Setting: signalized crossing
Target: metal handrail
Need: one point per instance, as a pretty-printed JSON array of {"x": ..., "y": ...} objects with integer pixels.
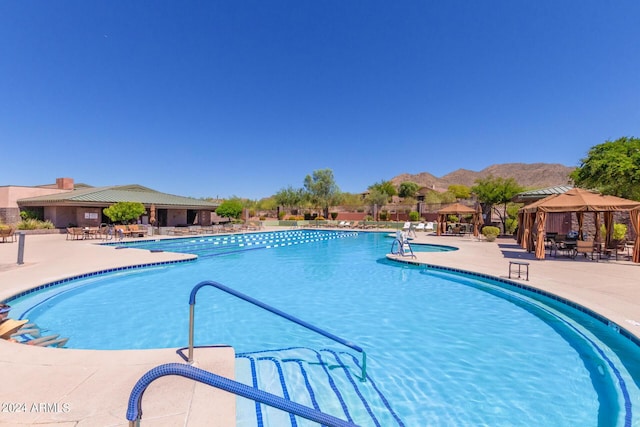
[
  {"x": 134, "y": 408},
  {"x": 192, "y": 303},
  {"x": 401, "y": 241}
]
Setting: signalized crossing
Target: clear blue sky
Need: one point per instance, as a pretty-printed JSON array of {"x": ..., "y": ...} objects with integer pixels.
[{"x": 221, "y": 98}]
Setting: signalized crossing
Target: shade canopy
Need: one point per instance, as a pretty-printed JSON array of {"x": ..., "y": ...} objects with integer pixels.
[
  {"x": 575, "y": 200},
  {"x": 581, "y": 200},
  {"x": 455, "y": 209}
]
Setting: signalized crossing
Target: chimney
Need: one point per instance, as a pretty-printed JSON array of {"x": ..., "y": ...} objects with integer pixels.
[{"x": 64, "y": 183}]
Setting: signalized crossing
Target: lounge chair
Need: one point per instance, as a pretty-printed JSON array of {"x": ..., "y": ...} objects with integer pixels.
[
  {"x": 342, "y": 224},
  {"x": 48, "y": 341},
  {"x": 10, "y": 327},
  {"x": 420, "y": 227},
  {"x": 406, "y": 226},
  {"x": 430, "y": 226},
  {"x": 179, "y": 231},
  {"x": 137, "y": 230},
  {"x": 122, "y": 231}
]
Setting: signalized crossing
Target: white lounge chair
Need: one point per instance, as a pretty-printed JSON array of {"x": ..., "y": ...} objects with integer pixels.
[
  {"x": 429, "y": 227},
  {"x": 406, "y": 226},
  {"x": 420, "y": 227}
]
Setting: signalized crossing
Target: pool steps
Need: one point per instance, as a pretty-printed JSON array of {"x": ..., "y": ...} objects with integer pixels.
[
  {"x": 325, "y": 380},
  {"x": 301, "y": 373}
]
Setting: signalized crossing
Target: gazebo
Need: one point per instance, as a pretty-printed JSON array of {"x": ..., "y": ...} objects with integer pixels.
[
  {"x": 456, "y": 209},
  {"x": 577, "y": 200}
]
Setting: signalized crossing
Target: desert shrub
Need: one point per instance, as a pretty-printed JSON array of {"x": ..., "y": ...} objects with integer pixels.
[
  {"x": 334, "y": 215},
  {"x": 619, "y": 231},
  {"x": 319, "y": 218},
  {"x": 414, "y": 216},
  {"x": 28, "y": 214},
  {"x": 34, "y": 224},
  {"x": 511, "y": 224},
  {"x": 384, "y": 215},
  {"x": 281, "y": 215},
  {"x": 368, "y": 218},
  {"x": 490, "y": 232},
  {"x": 452, "y": 218}
]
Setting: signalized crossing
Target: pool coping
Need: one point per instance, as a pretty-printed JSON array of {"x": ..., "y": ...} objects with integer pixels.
[{"x": 620, "y": 329}]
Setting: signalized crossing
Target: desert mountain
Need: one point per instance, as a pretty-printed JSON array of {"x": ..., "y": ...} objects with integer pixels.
[{"x": 533, "y": 175}]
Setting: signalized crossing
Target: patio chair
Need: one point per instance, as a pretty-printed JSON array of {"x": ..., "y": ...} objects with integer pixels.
[
  {"x": 420, "y": 227},
  {"x": 75, "y": 233},
  {"x": 586, "y": 248},
  {"x": 618, "y": 248},
  {"x": 8, "y": 234}
]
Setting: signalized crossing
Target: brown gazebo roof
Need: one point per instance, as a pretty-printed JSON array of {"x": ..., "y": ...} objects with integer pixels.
[
  {"x": 581, "y": 200},
  {"x": 576, "y": 200},
  {"x": 455, "y": 209}
]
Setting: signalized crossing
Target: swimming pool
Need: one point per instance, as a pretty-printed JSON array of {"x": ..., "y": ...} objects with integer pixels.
[{"x": 446, "y": 349}]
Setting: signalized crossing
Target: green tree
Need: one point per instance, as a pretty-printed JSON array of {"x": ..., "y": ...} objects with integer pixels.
[
  {"x": 492, "y": 191},
  {"x": 408, "y": 189},
  {"x": 352, "y": 201},
  {"x": 612, "y": 167},
  {"x": 267, "y": 204},
  {"x": 377, "y": 197},
  {"x": 231, "y": 208},
  {"x": 290, "y": 197},
  {"x": 385, "y": 187},
  {"x": 124, "y": 211},
  {"x": 460, "y": 191},
  {"x": 322, "y": 189},
  {"x": 447, "y": 197}
]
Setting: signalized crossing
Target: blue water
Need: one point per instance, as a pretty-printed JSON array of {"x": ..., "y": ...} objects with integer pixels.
[{"x": 447, "y": 349}]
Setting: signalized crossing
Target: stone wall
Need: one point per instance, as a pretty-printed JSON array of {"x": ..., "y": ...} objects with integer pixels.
[{"x": 9, "y": 215}]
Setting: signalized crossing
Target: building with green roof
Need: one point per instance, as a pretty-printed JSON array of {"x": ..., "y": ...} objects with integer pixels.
[{"x": 81, "y": 205}]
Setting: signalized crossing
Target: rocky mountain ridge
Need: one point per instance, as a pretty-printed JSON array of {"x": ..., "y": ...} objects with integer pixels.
[{"x": 528, "y": 175}]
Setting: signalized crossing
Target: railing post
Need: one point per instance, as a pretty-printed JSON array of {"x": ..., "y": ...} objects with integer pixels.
[
  {"x": 192, "y": 308},
  {"x": 21, "y": 237}
]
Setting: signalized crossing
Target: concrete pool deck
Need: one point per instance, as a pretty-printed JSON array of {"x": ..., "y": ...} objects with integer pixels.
[{"x": 65, "y": 387}]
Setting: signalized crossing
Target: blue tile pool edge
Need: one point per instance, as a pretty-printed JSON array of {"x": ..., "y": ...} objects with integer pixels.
[
  {"x": 608, "y": 322},
  {"x": 92, "y": 274}
]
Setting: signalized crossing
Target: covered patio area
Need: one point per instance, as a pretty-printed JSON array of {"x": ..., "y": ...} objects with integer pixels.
[{"x": 531, "y": 234}]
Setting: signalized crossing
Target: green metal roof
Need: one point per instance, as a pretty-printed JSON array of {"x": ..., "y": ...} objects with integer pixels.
[
  {"x": 533, "y": 195},
  {"x": 115, "y": 194}
]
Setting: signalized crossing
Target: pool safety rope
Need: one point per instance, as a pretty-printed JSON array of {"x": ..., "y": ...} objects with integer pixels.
[
  {"x": 134, "y": 408},
  {"x": 233, "y": 243}
]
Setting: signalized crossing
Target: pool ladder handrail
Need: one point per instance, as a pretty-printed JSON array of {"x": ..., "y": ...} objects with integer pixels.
[
  {"x": 401, "y": 240},
  {"x": 134, "y": 408},
  {"x": 192, "y": 304}
]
